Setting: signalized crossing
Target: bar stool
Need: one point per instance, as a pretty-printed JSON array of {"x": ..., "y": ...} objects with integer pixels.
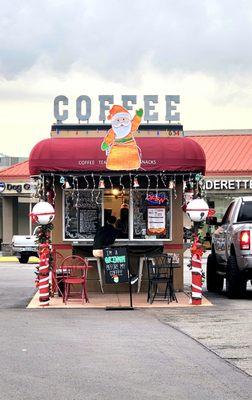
[
  {"x": 140, "y": 270},
  {"x": 98, "y": 264}
]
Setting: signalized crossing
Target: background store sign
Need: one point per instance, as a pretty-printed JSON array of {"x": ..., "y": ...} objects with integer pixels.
[
  {"x": 83, "y": 107},
  {"x": 228, "y": 184},
  {"x": 2, "y": 187},
  {"x": 116, "y": 265},
  {"x": 15, "y": 187}
]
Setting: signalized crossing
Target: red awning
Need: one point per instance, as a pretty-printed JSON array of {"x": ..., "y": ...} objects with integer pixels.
[{"x": 85, "y": 154}]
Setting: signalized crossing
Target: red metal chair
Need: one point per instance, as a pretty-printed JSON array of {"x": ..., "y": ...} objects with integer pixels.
[
  {"x": 57, "y": 259},
  {"x": 74, "y": 272}
]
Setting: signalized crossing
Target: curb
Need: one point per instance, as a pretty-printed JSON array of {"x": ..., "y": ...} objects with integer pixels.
[{"x": 4, "y": 259}]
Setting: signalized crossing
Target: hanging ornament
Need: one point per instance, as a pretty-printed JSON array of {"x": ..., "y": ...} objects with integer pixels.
[
  {"x": 198, "y": 177},
  {"x": 67, "y": 185},
  {"x": 171, "y": 185},
  {"x": 43, "y": 213},
  {"x": 135, "y": 184},
  {"x": 62, "y": 180},
  {"x": 197, "y": 210},
  {"x": 101, "y": 184}
]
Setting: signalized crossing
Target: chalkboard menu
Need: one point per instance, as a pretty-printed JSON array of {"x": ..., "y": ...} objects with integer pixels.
[
  {"x": 88, "y": 221},
  {"x": 116, "y": 265},
  {"x": 83, "y": 213}
]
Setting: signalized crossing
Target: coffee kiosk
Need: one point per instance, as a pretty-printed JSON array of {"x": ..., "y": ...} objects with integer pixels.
[{"x": 89, "y": 171}]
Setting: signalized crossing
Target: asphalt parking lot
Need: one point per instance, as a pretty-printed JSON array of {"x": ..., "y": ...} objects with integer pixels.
[{"x": 225, "y": 328}]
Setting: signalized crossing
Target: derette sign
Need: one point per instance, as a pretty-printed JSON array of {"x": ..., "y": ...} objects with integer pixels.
[
  {"x": 83, "y": 107},
  {"x": 228, "y": 184}
]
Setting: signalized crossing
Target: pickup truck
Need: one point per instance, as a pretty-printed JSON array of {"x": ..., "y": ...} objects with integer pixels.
[
  {"x": 231, "y": 251},
  {"x": 24, "y": 246}
]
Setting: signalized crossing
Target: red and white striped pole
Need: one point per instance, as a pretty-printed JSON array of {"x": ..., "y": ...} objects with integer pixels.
[
  {"x": 197, "y": 210},
  {"x": 197, "y": 271},
  {"x": 43, "y": 213},
  {"x": 196, "y": 280},
  {"x": 43, "y": 274}
]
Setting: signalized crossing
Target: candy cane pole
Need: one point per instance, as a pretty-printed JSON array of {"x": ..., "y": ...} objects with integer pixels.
[
  {"x": 196, "y": 268},
  {"x": 43, "y": 275},
  {"x": 43, "y": 213}
]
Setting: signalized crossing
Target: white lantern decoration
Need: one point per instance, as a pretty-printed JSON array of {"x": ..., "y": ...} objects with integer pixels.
[
  {"x": 43, "y": 213},
  {"x": 197, "y": 210}
]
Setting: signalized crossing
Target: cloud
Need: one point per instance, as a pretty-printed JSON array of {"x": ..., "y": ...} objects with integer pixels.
[{"x": 115, "y": 37}]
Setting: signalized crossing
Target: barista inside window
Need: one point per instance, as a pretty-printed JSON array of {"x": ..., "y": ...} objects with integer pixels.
[{"x": 105, "y": 236}]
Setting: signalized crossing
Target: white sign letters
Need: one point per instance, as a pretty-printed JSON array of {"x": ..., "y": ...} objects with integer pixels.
[{"x": 83, "y": 107}]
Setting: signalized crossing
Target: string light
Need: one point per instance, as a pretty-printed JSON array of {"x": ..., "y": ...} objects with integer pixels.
[
  {"x": 76, "y": 187},
  {"x": 156, "y": 184},
  {"x": 162, "y": 179},
  {"x": 87, "y": 183},
  {"x": 174, "y": 189},
  {"x": 93, "y": 189},
  {"x": 53, "y": 189},
  {"x": 148, "y": 185},
  {"x": 111, "y": 184},
  {"x": 120, "y": 182}
]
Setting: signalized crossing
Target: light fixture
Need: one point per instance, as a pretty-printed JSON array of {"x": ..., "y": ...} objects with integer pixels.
[{"x": 115, "y": 192}]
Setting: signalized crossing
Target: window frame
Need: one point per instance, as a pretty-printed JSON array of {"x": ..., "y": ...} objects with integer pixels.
[{"x": 131, "y": 217}]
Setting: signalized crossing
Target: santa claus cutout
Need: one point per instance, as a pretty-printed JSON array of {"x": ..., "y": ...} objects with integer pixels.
[{"x": 119, "y": 143}]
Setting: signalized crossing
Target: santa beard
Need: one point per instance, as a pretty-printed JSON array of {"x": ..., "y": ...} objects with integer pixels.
[{"x": 121, "y": 131}]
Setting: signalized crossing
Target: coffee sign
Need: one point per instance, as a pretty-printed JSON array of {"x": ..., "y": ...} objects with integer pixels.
[{"x": 83, "y": 107}]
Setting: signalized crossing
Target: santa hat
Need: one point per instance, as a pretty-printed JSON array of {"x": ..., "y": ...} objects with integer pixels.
[{"x": 118, "y": 112}]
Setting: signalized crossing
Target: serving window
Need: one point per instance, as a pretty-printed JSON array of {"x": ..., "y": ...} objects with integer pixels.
[
  {"x": 141, "y": 214},
  {"x": 151, "y": 214}
]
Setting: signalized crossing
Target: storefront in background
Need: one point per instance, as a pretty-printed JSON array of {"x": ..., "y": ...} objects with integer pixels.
[
  {"x": 228, "y": 165},
  {"x": 87, "y": 176},
  {"x": 221, "y": 191},
  {"x": 16, "y": 201}
]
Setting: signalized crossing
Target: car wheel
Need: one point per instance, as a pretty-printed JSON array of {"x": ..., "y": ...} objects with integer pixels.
[
  {"x": 214, "y": 280},
  {"x": 235, "y": 282},
  {"x": 23, "y": 259}
]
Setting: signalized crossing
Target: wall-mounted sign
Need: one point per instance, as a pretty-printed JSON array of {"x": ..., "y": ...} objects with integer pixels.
[
  {"x": 11, "y": 188},
  {"x": 228, "y": 184},
  {"x": 83, "y": 107},
  {"x": 156, "y": 221}
]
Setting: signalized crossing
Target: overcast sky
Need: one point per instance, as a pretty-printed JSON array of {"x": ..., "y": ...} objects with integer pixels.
[{"x": 198, "y": 49}]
